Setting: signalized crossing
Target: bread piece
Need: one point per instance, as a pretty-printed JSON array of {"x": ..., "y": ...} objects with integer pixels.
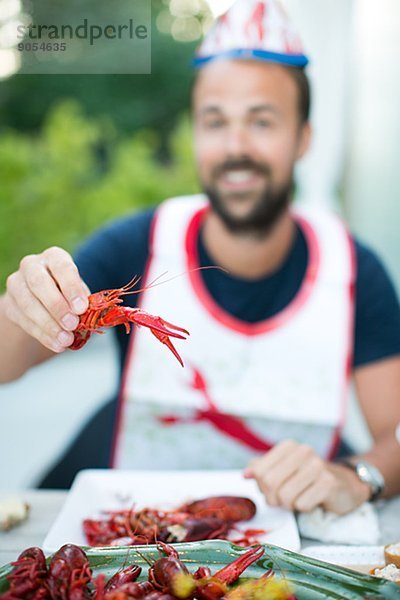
[
  {"x": 392, "y": 554},
  {"x": 390, "y": 572},
  {"x": 12, "y": 512}
]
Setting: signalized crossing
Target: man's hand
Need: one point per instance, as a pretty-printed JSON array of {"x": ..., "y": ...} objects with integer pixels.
[
  {"x": 294, "y": 476},
  {"x": 45, "y": 296}
]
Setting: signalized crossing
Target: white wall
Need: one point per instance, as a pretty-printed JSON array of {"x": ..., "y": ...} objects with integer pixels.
[
  {"x": 325, "y": 27},
  {"x": 373, "y": 172},
  {"x": 354, "y": 164}
]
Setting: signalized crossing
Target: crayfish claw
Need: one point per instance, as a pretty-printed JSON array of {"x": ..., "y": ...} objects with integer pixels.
[
  {"x": 141, "y": 317},
  {"x": 232, "y": 571},
  {"x": 164, "y": 339}
]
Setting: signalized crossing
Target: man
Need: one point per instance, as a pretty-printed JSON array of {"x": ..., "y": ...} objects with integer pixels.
[{"x": 275, "y": 333}]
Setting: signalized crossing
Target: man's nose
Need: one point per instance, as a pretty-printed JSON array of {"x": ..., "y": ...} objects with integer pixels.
[{"x": 236, "y": 142}]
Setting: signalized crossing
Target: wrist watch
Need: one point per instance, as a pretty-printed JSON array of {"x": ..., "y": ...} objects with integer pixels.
[{"x": 368, "y": 474}]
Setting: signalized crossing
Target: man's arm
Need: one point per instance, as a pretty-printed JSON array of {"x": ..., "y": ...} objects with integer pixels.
[
  {"x": 39, "y": 311},
  {"x": 378, "y": 390}
]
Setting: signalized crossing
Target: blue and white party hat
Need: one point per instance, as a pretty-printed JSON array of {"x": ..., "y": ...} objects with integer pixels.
[{"x": 253, "y": 29}]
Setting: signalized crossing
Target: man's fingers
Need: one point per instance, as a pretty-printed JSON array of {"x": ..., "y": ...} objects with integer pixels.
[
  {"x": 315, "y": 494},
  {"x": 65, "y": 273},
  {"x": 24, "y": 309},
  {"x": 276, "y": 467},
  {"x": 38, "y": 288},
  {"x": 33, "y": 329},
  {"x": 273, "y": 457},
  {"x": 54, "y": 280},
  {"x": 287, "y": 467},
  {"x": 304, "y": 477}
]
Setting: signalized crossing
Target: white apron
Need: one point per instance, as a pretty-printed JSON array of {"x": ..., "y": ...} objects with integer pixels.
[{"x": 245, "y": 386}]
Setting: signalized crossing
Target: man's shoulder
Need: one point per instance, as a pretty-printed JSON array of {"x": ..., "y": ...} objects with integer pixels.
[
  {"x": 377, "y": 310},
  {"x": 369, "y": 264}
]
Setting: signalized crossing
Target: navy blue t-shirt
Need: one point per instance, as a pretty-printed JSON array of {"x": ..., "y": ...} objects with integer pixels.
[{"x": 113, "y": 255}]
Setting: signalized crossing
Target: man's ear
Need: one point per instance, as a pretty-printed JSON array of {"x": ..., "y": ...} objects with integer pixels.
[{"x": 304, "y": 140}]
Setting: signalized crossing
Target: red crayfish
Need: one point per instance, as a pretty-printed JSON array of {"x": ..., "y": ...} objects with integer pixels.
[
  {"x": 171, "y": 576},
  {"x": 228, "y": 508},
  {"x": 66, "y": 578},
  {"x": 105, "y": 310},
  {"x": 69, "y": 577},
  {"x": 209, "y": 518},
  {"x": 29, "y": 576}
]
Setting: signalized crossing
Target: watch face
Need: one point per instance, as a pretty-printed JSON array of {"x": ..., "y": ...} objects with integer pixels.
[{"x": 371, "y": 475}]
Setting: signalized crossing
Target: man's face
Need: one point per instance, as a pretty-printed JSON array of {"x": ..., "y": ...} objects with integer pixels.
[{"x": 248, "y": 137}]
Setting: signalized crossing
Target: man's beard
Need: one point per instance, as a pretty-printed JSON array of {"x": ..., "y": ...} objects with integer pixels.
[{"x": 268, "y": 209}]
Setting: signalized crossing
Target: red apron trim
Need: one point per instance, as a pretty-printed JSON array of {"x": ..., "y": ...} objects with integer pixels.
[
  {"x": 348, "y": 364},
  {"x": 224, "y": 317}
]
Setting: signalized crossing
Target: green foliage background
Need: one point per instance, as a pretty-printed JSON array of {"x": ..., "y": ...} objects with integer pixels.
[
  {"x": 78, "y": 150},
  {"x": 55, "y": 187}
]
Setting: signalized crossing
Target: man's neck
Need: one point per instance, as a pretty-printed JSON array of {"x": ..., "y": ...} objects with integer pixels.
[{"x": 248, "y": 256}]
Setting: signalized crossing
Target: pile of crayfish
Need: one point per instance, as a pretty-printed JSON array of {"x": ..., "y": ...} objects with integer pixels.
[
  {"x": 69, "y": 577},
  {"x": 204, "y": 519}
]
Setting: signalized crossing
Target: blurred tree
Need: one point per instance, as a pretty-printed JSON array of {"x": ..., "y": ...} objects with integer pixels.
[
  {"x": 77, "y": 150},
  {"x": 131, "y": 101},
  {"x": 54, "y": 192}
]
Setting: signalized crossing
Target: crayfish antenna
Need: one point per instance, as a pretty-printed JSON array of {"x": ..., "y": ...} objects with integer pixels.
[
  {"x": 126, "y": 289},
  {"x": 143, "y": 557}
]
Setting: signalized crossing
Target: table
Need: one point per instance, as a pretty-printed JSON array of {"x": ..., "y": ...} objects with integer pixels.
[
  {"x": 44, "y": 508},
  {"x": 45, "y": 505}
]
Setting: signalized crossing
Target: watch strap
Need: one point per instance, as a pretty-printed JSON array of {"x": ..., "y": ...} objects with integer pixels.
[{"x": 362, "y": 470}]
